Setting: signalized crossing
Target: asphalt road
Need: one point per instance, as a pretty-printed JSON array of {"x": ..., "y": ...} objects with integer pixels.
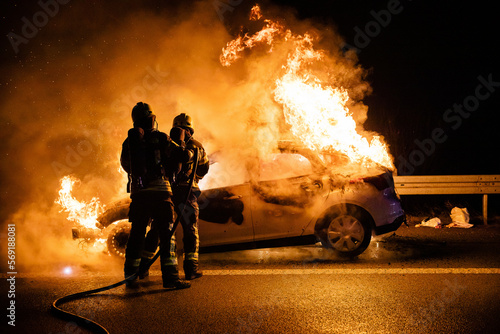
[{"x": 419, "y": 280}]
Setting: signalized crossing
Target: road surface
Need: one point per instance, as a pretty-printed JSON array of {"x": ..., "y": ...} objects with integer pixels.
[{"x": 418, "y": 280}]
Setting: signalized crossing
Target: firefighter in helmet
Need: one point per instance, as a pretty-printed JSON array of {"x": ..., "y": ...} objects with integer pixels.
[
  {"x": 147, "y": 155},
  {"x": 185, "y": 197}
]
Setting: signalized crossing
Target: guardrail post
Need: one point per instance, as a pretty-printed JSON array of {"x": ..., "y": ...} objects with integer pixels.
[
  {"x": 450, "y": 184},
  {"x": 485, "y": 209}
]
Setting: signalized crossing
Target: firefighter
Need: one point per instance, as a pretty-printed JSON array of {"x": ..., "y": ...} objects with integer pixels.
[
  {"x": 185, "y": 197},
  {"x": 190, "y": 215},
  {"x": 147, "y": 154}
]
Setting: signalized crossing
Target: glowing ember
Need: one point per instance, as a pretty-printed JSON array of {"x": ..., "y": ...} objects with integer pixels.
[
  {"x": 316, "y": 112},
  {"x": 67, "y": 271},
  {"x": 82, "y": 213}
]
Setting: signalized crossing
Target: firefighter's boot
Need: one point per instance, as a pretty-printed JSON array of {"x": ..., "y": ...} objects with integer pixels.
[
  {"x": 170, "y": 276},
  {"x": 130, "y": 270},
  {"x": 143, "y": 268},
  {"x": 191, "y": 269}
]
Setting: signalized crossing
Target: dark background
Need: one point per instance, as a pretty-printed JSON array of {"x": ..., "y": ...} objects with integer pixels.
[{"x": 427, "y": 59}]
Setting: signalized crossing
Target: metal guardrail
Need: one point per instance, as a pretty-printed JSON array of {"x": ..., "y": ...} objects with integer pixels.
[{"x": 450, "y": 185}]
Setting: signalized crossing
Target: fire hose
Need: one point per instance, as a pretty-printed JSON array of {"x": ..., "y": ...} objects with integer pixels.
[{"x": 92, "y": 325}]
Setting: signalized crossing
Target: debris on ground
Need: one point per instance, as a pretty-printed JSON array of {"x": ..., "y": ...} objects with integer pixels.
[
  {"x": 460, "y": 218},
  {"x": 432, "y": 222}
]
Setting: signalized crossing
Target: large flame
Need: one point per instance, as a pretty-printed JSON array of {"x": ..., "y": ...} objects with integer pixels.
[
  {"x": 316, "y": 112},
  {"x": 82, "y": 213},
  {"x": 235, "y": 47}
]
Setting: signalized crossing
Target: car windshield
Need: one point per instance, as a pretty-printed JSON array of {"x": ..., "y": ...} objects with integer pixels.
[{"x": 284, "y": 165}]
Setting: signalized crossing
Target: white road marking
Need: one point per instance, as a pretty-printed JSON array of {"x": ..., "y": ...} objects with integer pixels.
[
  {"x": 360, "y": 271},
  {"x": 296, "y": 271}
]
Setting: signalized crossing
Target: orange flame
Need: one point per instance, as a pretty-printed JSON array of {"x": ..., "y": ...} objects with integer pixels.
[
  {"x": 234, "y": 48},
  {"x": 82, "y": 213},
  {"x": 317, "y": 113},
  {"x": 255, "y": 13}
]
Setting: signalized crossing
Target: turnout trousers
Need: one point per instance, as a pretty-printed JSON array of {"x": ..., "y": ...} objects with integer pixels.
[
  {"x": 189, "y": 221},
  {"x": 155, "y": 206}
]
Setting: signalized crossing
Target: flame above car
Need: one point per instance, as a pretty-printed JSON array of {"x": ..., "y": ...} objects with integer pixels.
[{"x": 317, "y": 113}]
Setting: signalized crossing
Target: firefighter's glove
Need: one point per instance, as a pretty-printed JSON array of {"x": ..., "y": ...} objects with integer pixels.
[
  {"x": 178, "y": 135},
  {"x": 182, "y": 155},
  {"x": 202, "y": 170},
  {"x": 186, "y": 156}
]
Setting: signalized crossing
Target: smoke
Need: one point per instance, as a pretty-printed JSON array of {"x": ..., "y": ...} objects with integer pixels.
[{"x": 68, "y": 107}]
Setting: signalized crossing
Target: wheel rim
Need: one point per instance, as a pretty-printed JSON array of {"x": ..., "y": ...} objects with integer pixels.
[
  {"x": 117, "y": 240},
  {"x": 346, "y": 233}
]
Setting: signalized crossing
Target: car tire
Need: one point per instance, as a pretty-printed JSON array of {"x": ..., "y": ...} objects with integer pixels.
[
  {"x": 117, "y": 239},
  {"x": 345, "y": 229}
]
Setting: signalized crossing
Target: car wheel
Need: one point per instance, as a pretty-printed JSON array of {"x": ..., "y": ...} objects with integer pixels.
[
  {"x": 346, "y": 230},
  {"x": 117, "y": 238}
]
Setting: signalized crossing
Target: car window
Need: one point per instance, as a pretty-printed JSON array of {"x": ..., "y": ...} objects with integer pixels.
[
  {"x": 284, "y": 165},
  {"x": 224, "y": 174}
]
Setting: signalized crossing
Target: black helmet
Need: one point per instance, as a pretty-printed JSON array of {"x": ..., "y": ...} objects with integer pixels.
[
  {"x": 183, "y": 121},
  {"x": 143, "y": 116}
]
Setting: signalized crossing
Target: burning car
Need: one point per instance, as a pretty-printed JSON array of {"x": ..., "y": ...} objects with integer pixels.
[
  {"x": 309, "y": 205},
  {"x": 335, "y": 187}
]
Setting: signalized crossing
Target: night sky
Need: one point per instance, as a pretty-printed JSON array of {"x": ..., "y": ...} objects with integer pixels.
[{"x": 432, "y": 66}]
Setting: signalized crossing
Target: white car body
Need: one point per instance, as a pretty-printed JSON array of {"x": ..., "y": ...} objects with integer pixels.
[{"x": 295, "y": 210}]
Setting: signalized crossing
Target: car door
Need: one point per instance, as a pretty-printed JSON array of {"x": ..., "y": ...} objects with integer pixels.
[
  {"x": 225, "y": 216},
  {"x": 282, "y": 196}
]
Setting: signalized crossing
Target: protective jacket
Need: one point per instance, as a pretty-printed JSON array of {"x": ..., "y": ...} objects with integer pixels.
[
  {"x": 181, "y": 175},
  {"x": 187, "y": 168},
  {"x": 147, "y": 157}
]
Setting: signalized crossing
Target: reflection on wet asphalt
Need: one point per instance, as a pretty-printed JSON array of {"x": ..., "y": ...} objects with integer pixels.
[{"x": 405, "y": 247}]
